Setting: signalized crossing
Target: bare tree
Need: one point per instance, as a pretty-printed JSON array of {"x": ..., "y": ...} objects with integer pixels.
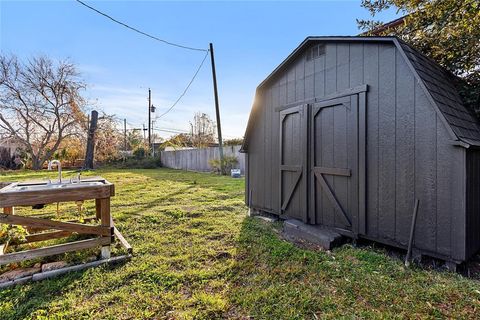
[
  {"x": 40, "y": 104},
  {"x": 202, "y": 130}
]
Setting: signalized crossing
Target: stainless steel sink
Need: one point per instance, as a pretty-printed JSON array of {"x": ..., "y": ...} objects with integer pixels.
[{"x": 22, "y": 187}]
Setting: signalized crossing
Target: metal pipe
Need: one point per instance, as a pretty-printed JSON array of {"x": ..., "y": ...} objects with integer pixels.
[
  {"x": 59, "y": 167},
  {"x": 412, "y": 232}
]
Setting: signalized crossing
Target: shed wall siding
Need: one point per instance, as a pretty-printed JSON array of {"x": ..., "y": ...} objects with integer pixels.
[
  {"x": 409, "y": 152},
  {"x": 473, "y": 201}
]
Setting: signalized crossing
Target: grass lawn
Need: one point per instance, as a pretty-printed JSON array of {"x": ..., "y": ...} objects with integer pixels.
[{"x": 198, "y": 256}]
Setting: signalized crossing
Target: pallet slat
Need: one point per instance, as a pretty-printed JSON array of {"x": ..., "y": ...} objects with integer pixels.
[
  {"x": 122, "y": 240},
  {"x": 49, "y": 224},
  {"x": 53, "y": 250}
]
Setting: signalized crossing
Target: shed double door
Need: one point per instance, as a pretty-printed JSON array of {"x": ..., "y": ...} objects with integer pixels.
[{"x": 330, "y": 144}]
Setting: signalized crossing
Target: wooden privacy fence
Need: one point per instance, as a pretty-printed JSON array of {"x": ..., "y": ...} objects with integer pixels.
[{"x": 198, "y": 159}]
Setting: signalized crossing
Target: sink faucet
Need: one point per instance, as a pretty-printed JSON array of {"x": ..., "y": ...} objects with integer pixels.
[{"x": 59, "y": 167}]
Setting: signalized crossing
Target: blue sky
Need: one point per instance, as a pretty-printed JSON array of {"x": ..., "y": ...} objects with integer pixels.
[{"x": 250, "y": 39}]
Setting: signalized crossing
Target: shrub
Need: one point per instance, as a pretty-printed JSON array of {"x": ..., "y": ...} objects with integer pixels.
[
  {"x": 228, "y": 163},
  {"x": 139, "y": 153}
]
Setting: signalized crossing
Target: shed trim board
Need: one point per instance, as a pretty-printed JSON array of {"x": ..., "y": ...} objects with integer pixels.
[
  {"x": 347, "y": 92},
  {"x": 349, "y": 138}
]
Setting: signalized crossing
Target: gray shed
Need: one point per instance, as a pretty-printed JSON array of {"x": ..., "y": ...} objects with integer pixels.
[{"x": 349, "y": 131}]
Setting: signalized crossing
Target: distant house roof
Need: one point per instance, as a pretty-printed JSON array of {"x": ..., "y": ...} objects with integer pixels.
[{"x": 437, "y": 82}]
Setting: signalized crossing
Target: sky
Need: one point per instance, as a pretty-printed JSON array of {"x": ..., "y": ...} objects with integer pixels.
[{"x": 250, "y": 39}]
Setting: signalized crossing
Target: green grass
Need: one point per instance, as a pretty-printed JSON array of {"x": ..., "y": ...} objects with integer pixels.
[{"x": 198, "y": 256}]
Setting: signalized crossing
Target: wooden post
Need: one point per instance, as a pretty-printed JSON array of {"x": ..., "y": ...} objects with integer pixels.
[
  {"x": 9, "y": 210},
  {"x": 106, "y": 222},
  {"x": 89, "y": 156},
  {"x": 98, "y": 209}
]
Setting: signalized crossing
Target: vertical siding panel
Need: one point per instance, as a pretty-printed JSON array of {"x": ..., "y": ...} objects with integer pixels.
[
  {"x": 457, "y": 232},
  {"x": 326, "y": 136},
  {"x": 356, "y": 64},
  {"x": 473, "y": 202},
  {"x": 343, "y": 66},
  {"x": 261, "y": 124},
  {"x": 328, "y": 126},
  {"x": 296, "y": 135},
  {"x": 319, "y": 78},
  {"x": 254, "y": 153},
  {"x": 309, "y": 79},
  {"x": 300, "y": 79},
  {"x": 317, "y": 162},
  {"x": 449, "y": 163},
  {"x": 291, "y": 85},
  {"x": 282, "y": 97},
  {"x": 330, "y": 68},
  {"x": 268, "y": 148},
  {"x": 370, "y": 60},
  {"x": 386, "y": 190},
  {"x": 340, "y": 132},
  {"x": 425, "y": 171},
  {"x": 275, "y": 148},
  {"x": 340, "y": 161},
  {"x": 355, "y": 79},
  {"x": 405, "y": 150}
]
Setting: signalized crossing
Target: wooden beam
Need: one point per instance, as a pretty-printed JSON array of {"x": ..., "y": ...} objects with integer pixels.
[
  {"x": 122, "y": 240},
  {"x": 52, "y": 250},
  {"x": 333, "y": 171},
  {"x": 37, "y": 229},
  {"x": 291, "y": 168},
  {"x": 47, "y": 236},
  {"x": 30, "y": 198},
  {"x": 50, "y": 224},
  {"x": 290, "y": 193},
  {"x": 331, "y": 196}
]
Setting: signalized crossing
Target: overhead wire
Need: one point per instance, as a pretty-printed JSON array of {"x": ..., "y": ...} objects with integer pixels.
[
  {"x": 139, "y": 31},
  {"x": 163, "y": 41},
  {"x": 186, "y": 89}
]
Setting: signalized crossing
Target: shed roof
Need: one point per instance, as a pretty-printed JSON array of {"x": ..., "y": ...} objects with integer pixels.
[{"x": 436, "y": 81}]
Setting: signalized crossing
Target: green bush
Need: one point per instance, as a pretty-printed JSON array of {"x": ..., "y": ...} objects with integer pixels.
[
  {"x": 139, "y": 153},
  {"x": 229, "y": 163}
]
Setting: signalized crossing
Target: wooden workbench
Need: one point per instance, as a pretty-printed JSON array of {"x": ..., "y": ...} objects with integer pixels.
[{"x": 103, "y": 233}]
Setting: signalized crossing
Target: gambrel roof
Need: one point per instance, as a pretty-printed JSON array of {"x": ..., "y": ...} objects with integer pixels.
[{"x": 438, "y": 84}]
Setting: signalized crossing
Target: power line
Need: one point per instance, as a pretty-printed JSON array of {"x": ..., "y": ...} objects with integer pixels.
[
  {"x": 186, "y": 89},
  {"x": 139, "y": 31}
]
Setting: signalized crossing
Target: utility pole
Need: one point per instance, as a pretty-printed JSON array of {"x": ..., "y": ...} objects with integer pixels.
[
  {"x": 153, "y": 142},
  {"x": 149, "y": 120},
  {"x": 144, "y": 130},
  {"x": 217, "y": 108}
]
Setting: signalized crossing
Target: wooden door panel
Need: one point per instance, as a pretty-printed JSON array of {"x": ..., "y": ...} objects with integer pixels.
[
  {"x": 334, "y": 163},
  {"x": 293, "y": 179}
]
